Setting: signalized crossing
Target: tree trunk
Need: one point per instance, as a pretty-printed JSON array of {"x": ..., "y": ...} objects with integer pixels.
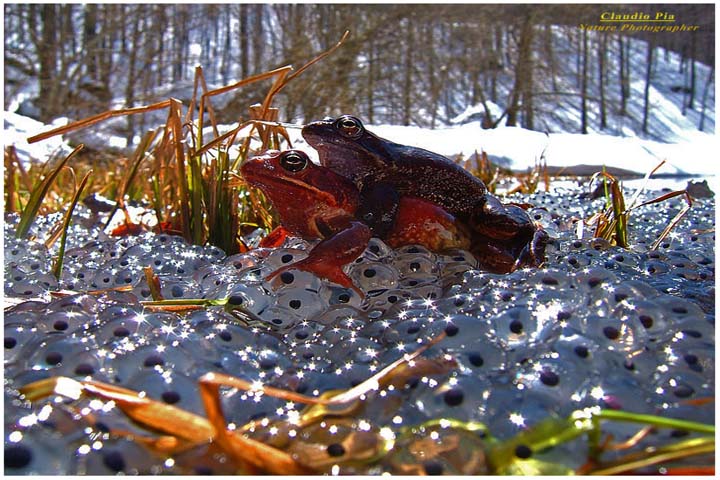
[
  {"x": 124, "y": 9},
  {"x": 408, "y": 76},
  {"x": 579, "y": 59},
  {"x": 371, "y": 81},
  {"x": 551, "y": 57},
  {"x": 523, "y": 62},
  {"x": 648, "y": 78},
  {"x": 706, "y": 90},
  {"x": 624, "y": 80},
  {"x": 691, "y": 100},
  {"x": 176, "y": 48},
  {"x": 244, "y": 40},
  {"x": 132, "y": 60},
  {"x": 90, "y": 46},
  {"x": 527, "y": 87},
  {"x": 165, "y": 56},
  {"x": 47, "y": 51},
  {"x": 257, "y": 36},
  {"x": 601, "y": 80},
  {"x": 225, "y": 65},
  {"x": 32, "y": 21},
  {"x": 70, "y": 27},
  {"x": 498, "y": 59},
  {"x": 628, "y": 72},
  {"x": 432, "y": 78},
  {"x": 105, "y": 56},
  {"x": 583, "y": 84},
  {"x": 180, "y": 41}
]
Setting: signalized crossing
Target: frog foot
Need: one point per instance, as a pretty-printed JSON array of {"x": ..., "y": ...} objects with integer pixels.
[
  {"x": 320, "y": 268},
  {"x": 328, "y": 257}
]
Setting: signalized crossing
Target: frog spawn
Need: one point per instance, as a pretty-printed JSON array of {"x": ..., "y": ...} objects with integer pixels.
[{"x": 599, "y": 325}]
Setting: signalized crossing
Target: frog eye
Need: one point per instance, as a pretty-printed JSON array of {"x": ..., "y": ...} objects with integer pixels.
[
  {"x": 293, "y": 161},
  {"x": 350, "y": 126}
]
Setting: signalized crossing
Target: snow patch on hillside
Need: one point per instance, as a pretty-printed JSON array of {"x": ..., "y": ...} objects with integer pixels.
[{"x": 16, "y": 130}]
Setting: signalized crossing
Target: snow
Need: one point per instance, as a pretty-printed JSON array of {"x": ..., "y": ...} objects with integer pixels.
[
  {"x": 558, "y": 112},
  {"x": 478, "y": 111},
  {"x": 513, "y": 147},
  {"x": 519, "y": 148},
  {"x": 16, "y": 130}
]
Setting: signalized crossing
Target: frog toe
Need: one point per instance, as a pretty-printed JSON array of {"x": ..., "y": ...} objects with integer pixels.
[{"x": 326, "y": 270}]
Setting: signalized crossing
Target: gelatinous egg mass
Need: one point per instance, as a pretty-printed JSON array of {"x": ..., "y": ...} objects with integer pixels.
[{"x": 597, "y": 325}]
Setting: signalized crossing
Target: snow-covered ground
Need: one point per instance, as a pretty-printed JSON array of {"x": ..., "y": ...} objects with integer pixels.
[
  {"x": 16, "y": 130},
  {"x": 513, "y": 147},
  {"x": 519, "y": 148}
]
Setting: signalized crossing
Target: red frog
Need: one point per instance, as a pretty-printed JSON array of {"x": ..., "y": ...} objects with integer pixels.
[
  {"x": 504, "y": 238},
  {"x": 314, "y": 202}
]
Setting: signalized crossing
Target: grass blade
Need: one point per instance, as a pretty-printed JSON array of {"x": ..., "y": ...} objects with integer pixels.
[
  {"x": 685, "y": 449},
  {"x": 618, "y": 206},
  {"x": 38, "y": 195},
  {"x": 57, "y": 268},
  {"x": 86, "y": 122},
  {"x": 174, "y": 124},
  {"x": 655, "y": 420},
  {"x": 153, "y": 284},
  {"x": 138, "y": 157}
]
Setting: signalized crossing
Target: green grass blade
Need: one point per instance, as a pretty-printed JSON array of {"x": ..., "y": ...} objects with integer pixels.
[
  {"x": 197, "y": 193},
  {"x": 138, "y": 156},
  {"x": 38, "y": 195},
  {"x": 681, "y": 450},
  {"x": 200, "y": 302},
  {"x": 541, "y": 436},
  {"x": 57, "y": 267},
  {"x": 156, "y": 199},
  {"x": 620, "y": 416},
  {"x": 618, "y": 206}
]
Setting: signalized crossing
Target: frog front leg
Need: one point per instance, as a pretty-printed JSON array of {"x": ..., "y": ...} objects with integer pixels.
[
  {"x": 329, "y": 256},
  {"x": 379, "y": 203}
]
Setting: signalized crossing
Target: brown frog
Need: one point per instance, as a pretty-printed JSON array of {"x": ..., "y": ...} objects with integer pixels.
[
  {"x": 315, "y": 203},
  {"x": 504, "y": 238}
]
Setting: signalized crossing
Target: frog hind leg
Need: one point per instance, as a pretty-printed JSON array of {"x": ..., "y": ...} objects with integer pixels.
[
  {"x": 491, "y": 257},
  {"x": 510, "y": 233},
  {"x": 501, "y": 221},
  {"x": 379, "y": 204},
  {"x": 331, "y": 254}
]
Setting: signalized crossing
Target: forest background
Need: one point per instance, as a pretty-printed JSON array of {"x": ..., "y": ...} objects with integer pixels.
[{"x": 402, "y": 64}]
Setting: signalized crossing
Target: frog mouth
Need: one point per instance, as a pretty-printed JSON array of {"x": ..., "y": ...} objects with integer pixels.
[
  {"x": 270, "y": 181},
  {"x": 333, "y": 154}
]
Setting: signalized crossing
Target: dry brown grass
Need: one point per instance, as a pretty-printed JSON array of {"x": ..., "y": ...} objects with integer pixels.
[{"x": 190, "y": 182}]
